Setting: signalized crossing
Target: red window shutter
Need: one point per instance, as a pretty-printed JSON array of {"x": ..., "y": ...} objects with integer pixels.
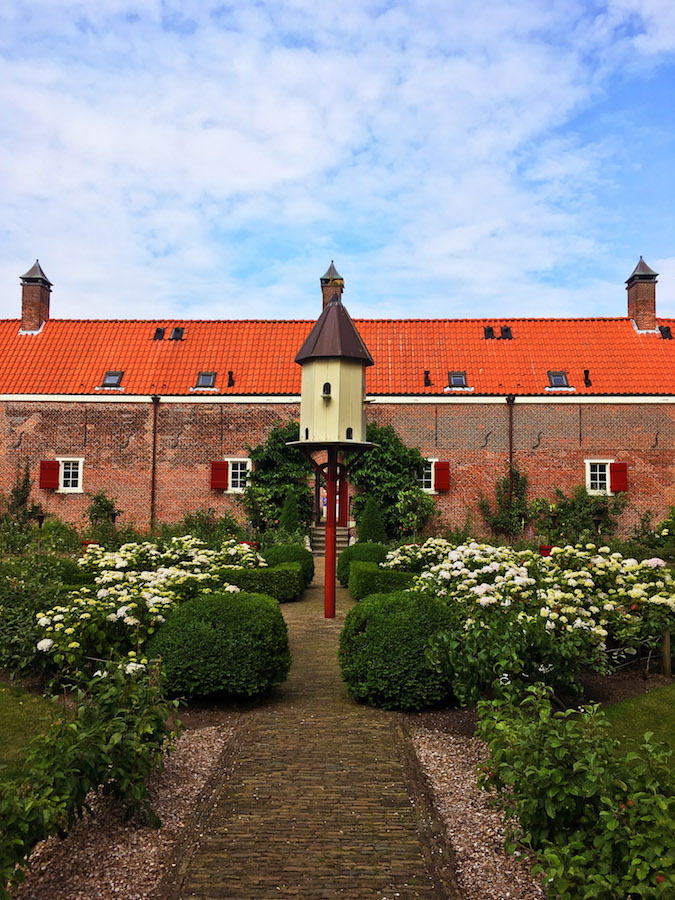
[
  {"x": 442, "y": 476},
  {"x": 219, "y": 475},
  {"x": 49, "y": 474},
  {"x": 618, "y": 477}
]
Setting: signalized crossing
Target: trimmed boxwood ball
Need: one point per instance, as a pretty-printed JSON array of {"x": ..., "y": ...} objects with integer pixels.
[
  {"x": 382, "y": 651},
  {"x": 236, "y": 643}
]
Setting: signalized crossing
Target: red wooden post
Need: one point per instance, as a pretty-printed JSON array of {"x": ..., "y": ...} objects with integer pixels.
[
  {"x": 329, "y": 590},
  {"x": 343, "y": 505}
]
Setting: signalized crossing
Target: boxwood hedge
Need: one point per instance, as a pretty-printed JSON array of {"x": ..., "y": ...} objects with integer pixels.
[
  {"x": 282, "y": 553},
  {"x": 230, "y": 642},
  {"x": 367, "y": 578},
  {"x": 362, "y": 551},
  {"x": 382, "y": 651},
  {"x": 283, "y": 582}
]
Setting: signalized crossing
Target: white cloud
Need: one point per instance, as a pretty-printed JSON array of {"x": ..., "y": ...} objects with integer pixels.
[{"x": 169, "y": 157}]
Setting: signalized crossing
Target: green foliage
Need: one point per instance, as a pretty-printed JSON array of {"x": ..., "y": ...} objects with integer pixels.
[
  {"x": 101, "y": 508},
  {"x": 27, "y": 585},
  {"x": 415, "y": 508},
  {"x": 236, "y": 643},
  {"x": 115, "y": 741},
  {"x": 206, "y": 524},
  {"x": 579, "y": 517},
  {"x": 370, "y": 523},
  {"x": 602, "y": 822},
  {"x": 511, "y": 511},
  {"x": 367, "y": 552},
  {"x": 20, "y": 509},
  {"x": 382, "y": 647},
  {"x": 384, "y": 472},
  {"x": 289, "y": 520},
  {"x": 366, "y": 578},
  {"x": 283, "y": 582},
  {"x": 58, "y": 537},
  {"x": 278, "y": 470},
  {"x": 280, "y": 553}
]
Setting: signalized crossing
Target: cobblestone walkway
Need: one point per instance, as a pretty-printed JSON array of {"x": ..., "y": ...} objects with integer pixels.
[{"x": 323, "y": 798}]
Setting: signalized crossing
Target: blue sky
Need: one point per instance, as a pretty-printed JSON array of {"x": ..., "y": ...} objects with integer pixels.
[{"x": 209, "y": 160}]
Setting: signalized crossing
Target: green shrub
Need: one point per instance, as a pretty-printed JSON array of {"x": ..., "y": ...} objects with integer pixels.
[
  {"x": 367, "y": 578},
  {"x": 602, "y": 822},
  {"x": 283, "y": 582},
  {"x": 115, "y": 741},
  {"x": 289, "y": 520},
  {"x": 366, "y": 552},
  {"x": 371, "y": 524},
  {"x": 236, "y": 643},
  {"x": 382, "y": 646},
  {"x": 292, "y": 553},
  {"x": 206, "y": 524}
]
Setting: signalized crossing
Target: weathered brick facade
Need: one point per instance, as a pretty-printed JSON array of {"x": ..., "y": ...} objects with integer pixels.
[{"x": 550, "y": 443}]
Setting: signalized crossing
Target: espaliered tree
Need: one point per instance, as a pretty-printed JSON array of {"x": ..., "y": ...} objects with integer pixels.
[
  {"x": 278, "y": 471},
  {"x": 384, "y": 472}
]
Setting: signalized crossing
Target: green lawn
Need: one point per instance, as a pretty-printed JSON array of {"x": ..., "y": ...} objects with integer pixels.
[
  {"x": 22, "y": 716},
  {"x": 654, "y": 711}
]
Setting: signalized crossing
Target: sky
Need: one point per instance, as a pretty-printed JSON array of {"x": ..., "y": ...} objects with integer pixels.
[{"x": 178, "y": 159}]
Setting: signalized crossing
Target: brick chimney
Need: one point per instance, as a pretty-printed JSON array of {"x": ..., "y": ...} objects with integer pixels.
[
  {"x": 36, "y": 288},
  {"x": 641, "y": 287},
  {"x": 331, "y": 284}
]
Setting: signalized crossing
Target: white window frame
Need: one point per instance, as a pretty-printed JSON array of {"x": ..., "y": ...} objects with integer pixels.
[
  {"x": 236, "y": 459},
  {"x": 62, "y": 489},
  {"x": 594, "y": 491},
  {"x": 430, "y": 490}
]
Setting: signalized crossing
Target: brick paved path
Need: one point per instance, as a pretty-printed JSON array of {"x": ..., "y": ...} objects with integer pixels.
[{"x": 318, "y": 800}]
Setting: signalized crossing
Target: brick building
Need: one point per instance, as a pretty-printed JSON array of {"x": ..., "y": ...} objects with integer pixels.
[{"x": 143, "y": 409}]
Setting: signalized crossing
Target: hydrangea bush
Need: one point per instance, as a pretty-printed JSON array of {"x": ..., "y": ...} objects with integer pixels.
[
  {"x": 517, "y": 614},
  {"x": 135, "y": 587}
]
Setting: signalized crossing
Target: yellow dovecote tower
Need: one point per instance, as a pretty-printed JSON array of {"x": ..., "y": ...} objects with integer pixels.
[{"x": 334, "y": 361}]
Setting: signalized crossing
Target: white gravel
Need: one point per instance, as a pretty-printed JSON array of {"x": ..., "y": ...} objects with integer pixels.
[
  {"x": 103, "y": 857},
  {"x": 484, "y": 870}
]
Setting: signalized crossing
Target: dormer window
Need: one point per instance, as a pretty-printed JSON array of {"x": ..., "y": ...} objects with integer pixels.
[
  {"x": 177, "y": 334},
  {"x": 159, "y": 334},
  {"x": 206, "y": 379},
  {"x": 112, "y": 379},
  {"x": 457, "y": 379},
  {"x": 558, "y": 379}
]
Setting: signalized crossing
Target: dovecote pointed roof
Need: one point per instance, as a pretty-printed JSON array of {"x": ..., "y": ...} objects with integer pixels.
[
  {"x": 642, "y": 272},
  {"x": 334, "y": 336},
  {"x": 35, "y": 273}
]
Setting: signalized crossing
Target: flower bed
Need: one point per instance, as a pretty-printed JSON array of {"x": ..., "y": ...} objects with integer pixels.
[{"x": 135, "y": 588}]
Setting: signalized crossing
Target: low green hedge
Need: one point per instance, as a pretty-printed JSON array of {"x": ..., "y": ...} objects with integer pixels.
[
  {"x": 282, "y": 553},
  {"x": 363, "y": 551},
  {"x": 230, "y": 642},
  {"x": 382, "y": 651},
  {"x": 367, "y": 578},
  {"x": 283, "y": 582}
]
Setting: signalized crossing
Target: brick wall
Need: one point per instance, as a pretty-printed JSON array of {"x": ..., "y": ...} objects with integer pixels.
[{"x": 550, "y": 444}]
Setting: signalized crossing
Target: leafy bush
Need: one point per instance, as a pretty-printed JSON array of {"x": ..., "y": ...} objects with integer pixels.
[
  {"x": 362, "y": 551},
  {"x": 370, "y": 523},
  {"x": 415, "y": 508},
  {"x": 58, "y": 536},
  {"x": 382, "y": 648},
  {"x": 289, "y": 519},
  {"x": 115, "y": 741},
  {"x": 284, "y": 582},
  {"x": 603, "y": 823},
  {"x": 578, "y": 517},
  {"x": 278, "y": 470},
  {"x": 206, "y": 525},
  {"x": 236, "y": 643},
  {"x": 292, "y": 553},
  {"x": 511, "y": 510},
  {"x": 367, "y": 578},
  {"x": 383, "y": 473}
]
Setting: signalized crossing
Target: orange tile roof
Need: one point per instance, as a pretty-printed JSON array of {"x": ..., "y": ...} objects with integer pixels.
[{"x": 72, "y": 356}]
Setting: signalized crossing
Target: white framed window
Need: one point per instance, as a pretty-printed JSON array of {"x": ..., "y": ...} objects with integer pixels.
[
  {"x": 70, "y": 475},
  {"x": 427, "y": 479},
  {"x": 597, "y": 476},
  {"x": 238, "y": 472}
]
